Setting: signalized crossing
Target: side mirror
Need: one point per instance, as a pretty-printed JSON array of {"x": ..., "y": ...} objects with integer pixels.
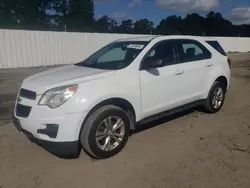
[
  {"x": 152, "y": 64},
  {"x": 124, "y": 48}
]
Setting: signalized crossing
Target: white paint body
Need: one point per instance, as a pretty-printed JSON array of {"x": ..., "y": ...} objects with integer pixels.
[{"x": 148, "y": 93}]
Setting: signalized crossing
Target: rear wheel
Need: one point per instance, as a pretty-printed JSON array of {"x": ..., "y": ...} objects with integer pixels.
[
  {"x": 105, "y": 132},
  {"x": 216, "y": 97}
]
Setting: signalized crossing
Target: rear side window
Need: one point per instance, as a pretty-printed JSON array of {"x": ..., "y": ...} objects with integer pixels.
[
  {"x": 216, "y": 45},
  {"x": 191, "y": 50}
]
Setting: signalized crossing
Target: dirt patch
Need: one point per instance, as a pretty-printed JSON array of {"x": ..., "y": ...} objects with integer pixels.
[
  {"x": 7, "y": 97},
  {"x": 6, "y": 107},
  {"x": 6, "y": 112},
  {"x": 246, "y": 77}
]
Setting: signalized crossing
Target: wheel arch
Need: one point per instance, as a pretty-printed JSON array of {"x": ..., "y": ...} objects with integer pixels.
[
  {"x": 217, "y": 75},
  {"x": 223, "y": 80},
  {"x": 119, "y": 102}
]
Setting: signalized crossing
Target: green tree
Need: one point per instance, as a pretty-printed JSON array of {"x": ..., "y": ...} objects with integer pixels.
[
  {"x": 143, "y": 26},
  {"x": 81, "y": 15},
  {"x": 216, "y": 25},
  {"x": 7, "y": 16},
  {"x": 78, "y": 15},
  {"x": 25, "y": 14},
  {"x": 106, "y": 25},
  {"x": 126, "y": 26},
  {"x": 193, "y": 24},
  {"x": 170, "y": 25},
  {"x": 58, "y": 14}
]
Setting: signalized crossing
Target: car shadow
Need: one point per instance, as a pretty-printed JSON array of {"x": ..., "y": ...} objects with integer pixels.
[{"x": 151, "y": 124}]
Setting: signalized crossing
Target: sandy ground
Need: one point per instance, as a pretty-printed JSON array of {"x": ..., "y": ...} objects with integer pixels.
[{"x": 189, "y": 150}]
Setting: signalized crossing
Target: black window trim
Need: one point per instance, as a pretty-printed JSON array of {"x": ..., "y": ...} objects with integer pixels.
[
  {"x": 149, "y": 51},
  {"x": 218, "y": 50},
  {"x": 176, "y": 54},
  {"x": 198, "y": 44}
]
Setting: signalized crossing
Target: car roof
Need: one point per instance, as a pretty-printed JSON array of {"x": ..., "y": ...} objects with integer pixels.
[
  {"x": 148, "y": 38},
  {"x": 210, "y": 39},
  {"x": 145, "y": 38}
]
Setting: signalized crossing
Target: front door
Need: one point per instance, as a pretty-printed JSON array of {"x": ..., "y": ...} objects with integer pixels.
[{"x": 160, "y": 87}]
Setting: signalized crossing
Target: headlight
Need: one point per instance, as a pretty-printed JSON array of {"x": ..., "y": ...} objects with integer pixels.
[{"x": 58, "y": 96}]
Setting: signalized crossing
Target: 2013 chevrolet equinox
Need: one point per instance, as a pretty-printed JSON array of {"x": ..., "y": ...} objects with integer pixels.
[{"x": 95, "y": 103}]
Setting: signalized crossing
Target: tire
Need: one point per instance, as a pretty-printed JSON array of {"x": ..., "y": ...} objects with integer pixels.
[
  {"x": 98, "y": 121},
  {"x": 210, "y": 102}
]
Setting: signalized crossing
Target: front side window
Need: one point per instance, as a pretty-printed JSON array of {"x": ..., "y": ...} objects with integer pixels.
[
  {"x": 189, "y": 50},
  {"x": 114, "y": 56},
  {"x": 162, "y": 51}
]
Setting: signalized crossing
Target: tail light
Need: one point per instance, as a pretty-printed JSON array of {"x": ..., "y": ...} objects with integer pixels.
[{"x": 229, "y": 62}]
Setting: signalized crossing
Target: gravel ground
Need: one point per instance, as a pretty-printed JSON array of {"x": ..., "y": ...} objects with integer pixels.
[{"x": 188, "y": 150}]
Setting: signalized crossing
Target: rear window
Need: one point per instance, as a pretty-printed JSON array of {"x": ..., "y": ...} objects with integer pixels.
[{"x": 216, "y": 45}]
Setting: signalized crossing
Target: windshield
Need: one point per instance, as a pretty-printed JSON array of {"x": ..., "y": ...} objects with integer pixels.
[{"x": 114, "y": 56}]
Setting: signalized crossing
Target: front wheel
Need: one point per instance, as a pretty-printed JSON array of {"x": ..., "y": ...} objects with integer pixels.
[
  {"x": 216, "y": 97},
  {"x": 105, "y": 132}
]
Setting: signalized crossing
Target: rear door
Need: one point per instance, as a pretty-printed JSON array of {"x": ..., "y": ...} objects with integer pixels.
[{"x": 195, "y": 63}]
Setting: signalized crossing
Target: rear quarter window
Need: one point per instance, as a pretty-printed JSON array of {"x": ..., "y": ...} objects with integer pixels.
[{"x": 216, "y": 45}]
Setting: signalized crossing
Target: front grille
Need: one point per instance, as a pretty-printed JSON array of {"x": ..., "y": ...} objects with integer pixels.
[
  {"x": 22, "y": 111},
  {"x": 27, "y": 94}
]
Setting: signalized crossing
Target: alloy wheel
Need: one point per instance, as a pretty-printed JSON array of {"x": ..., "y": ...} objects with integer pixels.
[
  {"x": 110, "y": 133},
  {"x": 218, "y": 96}
]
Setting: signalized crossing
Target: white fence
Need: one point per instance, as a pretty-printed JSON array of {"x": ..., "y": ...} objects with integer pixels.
[{"x": 38, "y": 48}]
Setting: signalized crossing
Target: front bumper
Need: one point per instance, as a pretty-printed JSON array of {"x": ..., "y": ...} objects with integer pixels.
[
  {"x": 54, "y": 125},
  {"x": 55, "y": 130},
  {"x": 60, "y": 149}
]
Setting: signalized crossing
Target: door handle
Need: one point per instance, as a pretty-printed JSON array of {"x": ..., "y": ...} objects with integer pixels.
[
  {"x": 178, "y": 72},
  {"x": 209, "y": 64}
]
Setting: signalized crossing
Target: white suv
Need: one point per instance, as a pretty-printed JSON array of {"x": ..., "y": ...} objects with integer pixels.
[{"x": 95, "y": 103}]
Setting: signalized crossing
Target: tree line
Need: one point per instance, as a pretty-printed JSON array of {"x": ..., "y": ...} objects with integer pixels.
[{"x": 78, "y": 16}]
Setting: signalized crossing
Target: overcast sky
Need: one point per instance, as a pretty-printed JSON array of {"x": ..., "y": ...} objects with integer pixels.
[{"x": 238, "y": 11}]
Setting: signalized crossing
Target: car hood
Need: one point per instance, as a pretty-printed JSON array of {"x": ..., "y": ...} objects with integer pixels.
[{"x": 65, "y": 75}]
